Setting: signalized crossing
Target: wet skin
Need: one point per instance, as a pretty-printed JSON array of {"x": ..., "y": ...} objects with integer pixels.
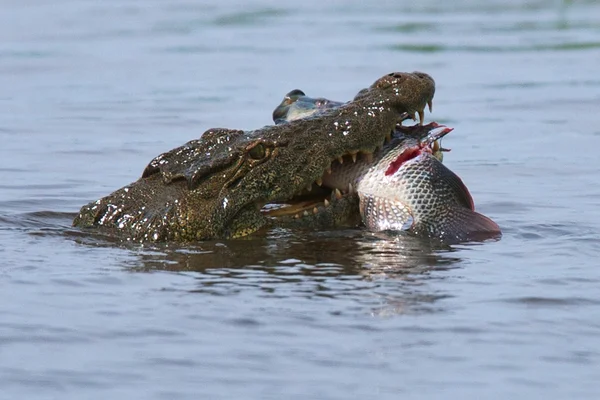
[{"x": 217, "y": 186}]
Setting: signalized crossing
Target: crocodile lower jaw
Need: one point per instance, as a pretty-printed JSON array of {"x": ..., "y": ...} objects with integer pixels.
[
  {"x": 314, "y": 198},
  {"x": 304, "y": 204}
]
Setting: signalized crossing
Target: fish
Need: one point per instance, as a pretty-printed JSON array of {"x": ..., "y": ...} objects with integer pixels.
[{"x": 405, "y": 187}]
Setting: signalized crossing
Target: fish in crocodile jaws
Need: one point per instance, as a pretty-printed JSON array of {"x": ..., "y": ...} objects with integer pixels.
[
  {"x": 404, "y": 186},
  {"x": 220, "y": 186}
]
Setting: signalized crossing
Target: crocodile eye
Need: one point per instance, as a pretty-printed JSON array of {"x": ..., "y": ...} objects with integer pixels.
[{"x": 258, "y": 152}]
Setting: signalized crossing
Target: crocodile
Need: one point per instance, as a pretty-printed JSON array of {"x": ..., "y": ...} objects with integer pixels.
[{"x": 223, "y": 185}]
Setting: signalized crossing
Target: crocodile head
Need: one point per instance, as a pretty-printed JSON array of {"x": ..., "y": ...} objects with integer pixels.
[{"x": 223, "y": 184}]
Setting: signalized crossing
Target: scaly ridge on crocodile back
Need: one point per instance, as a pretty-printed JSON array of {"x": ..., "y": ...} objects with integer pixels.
[{"x": 217, "y": 186}]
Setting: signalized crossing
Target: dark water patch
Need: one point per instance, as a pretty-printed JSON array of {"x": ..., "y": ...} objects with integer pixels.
[
  {"x": 220, "y": 49},
  {"x": 541, "y": 26},
  {"x": 132, "y": 333},
  {"x": 39, "y": 333},
  {"x": 182, "y": 362},
  {"x": 37, "y": 219},
  {"x": 548, "y": 47},
  {"x": 543, "y": 231},
  {"x": 12, "y": 170},
  {"x": 542, "y": 84},
  {"x": 506, "y": 206},
  {"x": 579, "y": 358},
  {"x": 509, "y": 10},
  {"x": 180, "y": 27},
  {"x": 249, "y": 18},
  {"x": 110, "y": 34},
  {"x": 410, "y": 27},
  {"x": 36, "y": 186},
  {"x": 29, "y": 54},
  {"x": 419, "y": 48},
  {"x": 533, "y": 301},
  {"x": 245, "y": 322},
  {"x": 61, "y": 380}
]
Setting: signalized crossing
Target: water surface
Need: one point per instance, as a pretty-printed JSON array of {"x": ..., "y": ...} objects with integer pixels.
[{"x": 92, "y": 91}]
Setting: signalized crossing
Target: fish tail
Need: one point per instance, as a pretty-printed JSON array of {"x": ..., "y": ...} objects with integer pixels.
[{"x": 459, "y": 224}]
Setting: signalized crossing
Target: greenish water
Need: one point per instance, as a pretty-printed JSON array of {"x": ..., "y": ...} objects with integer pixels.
[{"x": 92, "y": 91}]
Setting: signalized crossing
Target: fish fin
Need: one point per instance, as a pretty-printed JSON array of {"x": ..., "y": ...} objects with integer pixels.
[
  {"x": 456, "y": 185},
  {"x": 459, "y": 224},
  {"x": 381, "y": 214}
]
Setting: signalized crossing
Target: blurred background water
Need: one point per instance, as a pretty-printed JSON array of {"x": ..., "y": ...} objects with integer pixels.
[{"x": 91, "y": 91}]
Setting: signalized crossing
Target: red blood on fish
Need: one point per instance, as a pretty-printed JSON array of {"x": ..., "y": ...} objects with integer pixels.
[{"x": 406, "y": 155}]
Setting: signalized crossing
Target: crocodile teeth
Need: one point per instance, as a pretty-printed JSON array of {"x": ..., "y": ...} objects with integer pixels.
[
  {"x": 421, "y": 117},
  {"x": 430, "y": 104},
  {"x": 340, "y": 160},
  {"x": 368, "y": 156},
  {"x": 309, "y": 187},
  {"x": 297, "y": 216},
  {"x": 306, "y": 214},
  {"x": 338, "y": 194},
  {"x": 326, "y": 202},
  {"x": 319, "y": 181},
  {"x": 350, "y": 188},
  {"x": 353, "y": 155},
  {"x": 315, "y": 210},
  {"x": 404, "y": 116},
  {"x": 328, "y": 170}
]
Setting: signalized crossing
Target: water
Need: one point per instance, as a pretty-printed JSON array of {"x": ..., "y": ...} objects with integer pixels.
[{"x": 91, "y": 91}]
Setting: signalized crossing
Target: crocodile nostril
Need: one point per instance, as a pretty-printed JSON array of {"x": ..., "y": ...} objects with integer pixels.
[{"x": 397, "y": 75}]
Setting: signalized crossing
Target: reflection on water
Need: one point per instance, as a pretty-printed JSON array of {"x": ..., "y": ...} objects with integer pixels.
[
  {"x": 355, "y": 250},
  {"x": 382, "y": 274}
]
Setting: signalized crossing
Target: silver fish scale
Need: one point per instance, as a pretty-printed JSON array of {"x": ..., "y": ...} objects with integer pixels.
[
  {"x": 415, "y": 193},
  {"x": 380, "y": 214}
]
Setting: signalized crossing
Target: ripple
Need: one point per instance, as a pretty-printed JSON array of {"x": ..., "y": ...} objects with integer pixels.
[
  {"x": 411, "y": 27},
  {"x": 29, "y": 54},
  {"x": 547, "y": 47},
  {"x": 533, "y": 301},
  {"x": 208, "y": 49},
  {"x": 37, "y": 219},
  {"x": 249, "y": 18}
]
